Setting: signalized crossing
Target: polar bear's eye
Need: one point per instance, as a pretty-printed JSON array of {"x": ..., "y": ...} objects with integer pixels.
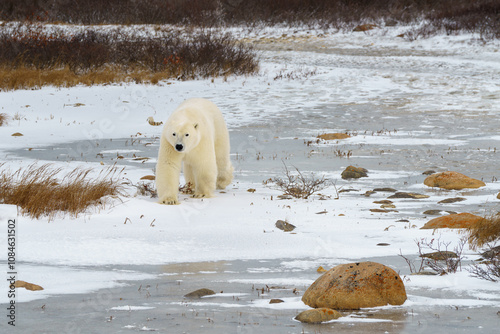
[
  {"x": 187, "y": 134},
  {"x": 173, "y": 134}
]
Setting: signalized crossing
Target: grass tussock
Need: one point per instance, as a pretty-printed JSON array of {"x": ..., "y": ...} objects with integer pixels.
[
  {"x": 486, "y": 231},
  {"x": 39, "y": 192},
  {"x": 3, "y": 117},
  {"x": 32, "y": 55}
]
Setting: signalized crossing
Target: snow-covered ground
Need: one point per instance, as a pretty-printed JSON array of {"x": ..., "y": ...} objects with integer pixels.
[{"x": 413, "y": 106}]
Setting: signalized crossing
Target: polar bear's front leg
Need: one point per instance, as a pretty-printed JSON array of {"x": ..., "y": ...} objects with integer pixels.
[
  {"x": 168, "y": 171},
  {"x": 205, "y": 176}
]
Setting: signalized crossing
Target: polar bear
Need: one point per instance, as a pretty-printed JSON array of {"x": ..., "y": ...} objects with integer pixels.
[{"x": 196, "y": 136}]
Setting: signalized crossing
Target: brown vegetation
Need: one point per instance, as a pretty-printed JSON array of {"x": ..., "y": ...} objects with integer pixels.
[
  {"x": 38, "y": 191},
  {"x": 485, "y": 231},
  {"x": 3, "y": 117},
  {"x": 449, "y": 15},
  {"x": 32, "y": 55}
]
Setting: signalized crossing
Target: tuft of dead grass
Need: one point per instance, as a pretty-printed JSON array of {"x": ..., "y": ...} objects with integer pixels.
[
  {"x": 485, "y": 231},
  {"x": 3, "y": 117},
  {"x": 38, "y": 191}
]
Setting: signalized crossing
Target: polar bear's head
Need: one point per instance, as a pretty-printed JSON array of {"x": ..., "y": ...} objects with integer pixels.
[{"x": 182, "y": 137}]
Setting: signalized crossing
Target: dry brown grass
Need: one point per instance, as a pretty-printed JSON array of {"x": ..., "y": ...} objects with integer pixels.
[
  {"x": 484, "y": 232},
  {"x": 31, "y": 78},
  {"x": 38, "y": 190},
  {"x": 3, "y": 118}
]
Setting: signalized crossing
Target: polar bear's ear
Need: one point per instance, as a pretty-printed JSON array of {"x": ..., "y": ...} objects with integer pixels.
[{"x": 196, "y": 126}]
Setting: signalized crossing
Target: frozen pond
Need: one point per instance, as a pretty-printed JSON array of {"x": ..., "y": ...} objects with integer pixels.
[{"x": 409, "y": 108}]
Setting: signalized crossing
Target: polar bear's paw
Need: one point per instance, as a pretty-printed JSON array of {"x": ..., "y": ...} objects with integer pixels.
[{"x": 169, "y": 200}]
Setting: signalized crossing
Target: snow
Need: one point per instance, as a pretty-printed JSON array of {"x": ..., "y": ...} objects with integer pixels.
[{"x": 428, "y": 79}]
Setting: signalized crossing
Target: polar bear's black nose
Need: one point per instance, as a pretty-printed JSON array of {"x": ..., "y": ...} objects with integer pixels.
[{"x": 179, "y": 147}]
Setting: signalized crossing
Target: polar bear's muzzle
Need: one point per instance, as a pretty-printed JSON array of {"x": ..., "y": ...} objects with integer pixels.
[{"x": 179, "y": 147}]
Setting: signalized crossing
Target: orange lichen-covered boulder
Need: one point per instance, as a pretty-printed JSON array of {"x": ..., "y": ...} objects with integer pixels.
[
  {"x": 459, "y": 220},
  {"x": 356, "y": 285},
  {"x": 333, "y": 136},
  {"x": 452, "y": 181}
]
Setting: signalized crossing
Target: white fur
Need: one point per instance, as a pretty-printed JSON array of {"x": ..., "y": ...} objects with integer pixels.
[{"x": 202, "y": 142}]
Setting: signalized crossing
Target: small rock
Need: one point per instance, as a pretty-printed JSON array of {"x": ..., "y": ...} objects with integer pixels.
[
  {"x": 356, "y": 285},
  {"x": 461, "y": 220},
  {"x": 284, "y": 226},
  {"x": 148, "y": 177},
  {"x": 388, "y": 206},
  {"x": 432, "y": 212},
  {"x": 347, "y": 190},
  {"x": 428, "y": 172},
  {"x": 379, "y": 210},
  {"x": 251, "y": 190},
  {"x": 352, "y": 172},
  {"x": 383, "y": 244},
  {"x": 27, "y": 286},
  {"x": 318, "y": 315},
  {"x": 387, "y": 190},
  {"x": 440, "y": 256},
  {"x": 402, "y": 221},
  {"x": 452, "y": 200},
  {"x": 365, "y": 27},
  {"x": 385, "y": 201},
  {"x": 276, "y": 301},
  {"x": 491, "y": 253},
  {"x": 200, "y": 293},
  {"x": 498, "y": 196},
  {"x": 452, "y": 181},
  {"x": 369, "y": 193},
  {"x": 17, "y": 134},
  {"x": 408, "y": 195},
  {"x": 333, "y": 136}
]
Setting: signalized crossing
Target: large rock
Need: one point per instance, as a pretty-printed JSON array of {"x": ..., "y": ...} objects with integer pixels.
[
  {"x": 200, "y": 293},
  {"x": 318, "y": 315},
  {"x": 459, "y": 220},
  {"x": 352, "y": 172},
  {"x": 333, "y": 136},
  {"x": 452, "y": 181},
  {"x": 356, "y": 285}
]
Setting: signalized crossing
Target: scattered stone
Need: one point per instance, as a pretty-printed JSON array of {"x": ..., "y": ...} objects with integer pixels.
[
  {"x": 461, "y": 220},
  {"x": 432, "y": 212},
  {"x": 408, "y": 195},
  {"x": 440, "y": 256},
  {"x": 383, "y": 244},
  {"x": 365, "y": 27},
  {"x": 284, "y": 226},
  {"x": 347, "y": 190},
  {"x": 388, "y": 206},
  {"x": 333, "y": 136},
  {"x": 148, "y": 177},
  {"x": 200, "y": 293},
  {"x": 352, "y": 172},
  {"x": 452, "y": 181},
  {"x": 27, "y": 286},
  {"x": 356, "y": 285},
  {"x": 386, "y": 190},
  {"x": 318, "y": 315},
  {"x": 276, "y": 301},
  {"x": 452, "y": 200},
  {"x": 379, "y": 210},
  {"x": 321, "y": 269},
  {"x": 429, "y": 172},
  {"x": 17, "y": 134},
  {"x": 385, "y": 201}
]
